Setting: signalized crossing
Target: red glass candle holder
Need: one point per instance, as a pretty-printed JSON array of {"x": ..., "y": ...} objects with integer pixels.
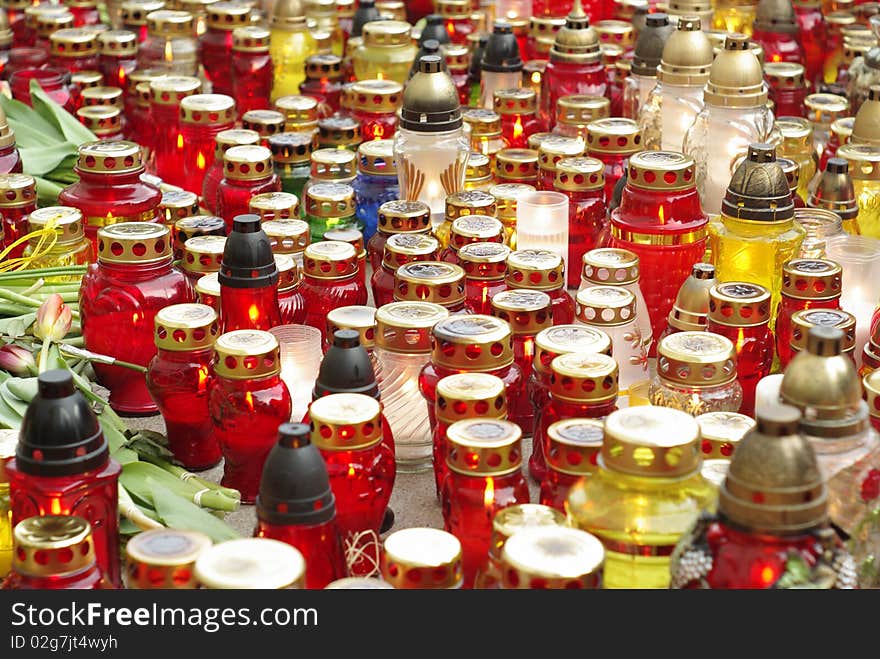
[
  {"x": 484, "y": 459},
  {"x": 540, "y": 270},
  {"x": 23, "y": 58},
  {"x": 139, "y": 127},
  {"x": 400, "y": 249},
  {"x": 74, "y": 49},
  {"x": 787, "y": 88},
  {"x": 396, "y": 217},
  {"x": 165, "y": 96},
  {"x": 457, "y": 18},
  {"x": 485, "y": 268},
  {"x": 23, "y": 31},
  {"x": 247, "y": 400},
  {"x": 813, "y": 34},
  {"x": 18, "y": 198},
  {"x": 469, "y": 229},
  {"x": 120, "y": 296},
  {"x": 52, "y": 81},
  {"x": 330, "y": 281},
  {"x": 202, "y": 118},
  {"x": 252, "y": 68},
  {"x": 178, "y": 381},
  {"x": 214, "y": 174},
  {"x": 375, "y": 103},
  {"x": 291, "y": 303},
  {"x": 519, "y": 115},
  {"x": 85, "y": 12},
  {"x": 431, "y": 281},
  {"x": 517, "y": 165},
  {"x": 196, "y": 225},
  {"x": 216, "y": 42},
  {"x": 582, "y": 180},
  {"x": 324, "y": 82},
  {"x": 573, "y": 447},
  {"x": 551, "y": 151},
  {"x": 247, "y": 172},
  {"x": 613, "y": 140},
  {"x": 458, "y": 64},
  {"x": 117, "y": 56},
  {"x": 348, "y": 430},
  {"x": 355, "y": 238}
]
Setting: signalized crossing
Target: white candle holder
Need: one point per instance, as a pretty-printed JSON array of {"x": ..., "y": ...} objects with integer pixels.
[
  {"x": 542, "y": 222},
  {"x": 301, "y": 356}
]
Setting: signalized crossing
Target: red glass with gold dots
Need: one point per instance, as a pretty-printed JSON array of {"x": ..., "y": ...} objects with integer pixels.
[
  {"x": 247, "y": 172},
  {"x": 216, "y": 42},
  {"x": 166, "y": 95},
  {"x": 330, "y": 281},
  {"x": 396, "y": 216},
  {"x": 202, "y": 118},
  {"x": 518, "y": 108},
  {"x": 485, "y": 267},
  {"x": 541, "y": 270},
  {"x": 573, "y": 449},
  {"x": 582, "y": 180},
  {"x": 400, "y": 249},
  {"x": 613, "y": 140}
]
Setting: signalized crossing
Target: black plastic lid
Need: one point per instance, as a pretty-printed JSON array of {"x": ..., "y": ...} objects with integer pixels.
[
  {"x": 837, "y": 166},
  {"x": 346, "y": 368},
  {"x": 247, "y": 258},
  {"x": 477, "y": 58},
  {"x": 60, "y": 434},
  {"x": 502, "y": 50},
  {"x": 365, "y": 13},
  {"x": 435, "y": 28},
  {"x": 428, "y": 47},
  {"x": 295, "y": 488}
]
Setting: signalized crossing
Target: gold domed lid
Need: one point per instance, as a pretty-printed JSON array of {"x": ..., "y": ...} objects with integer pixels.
[
  {"x": 516, "y": 165},
  {"x": 774, "y": 484},
  {"x": 102, "y": 95},
  {"x": 288, "y": 236},
  {"x": 134, "y": 242},
  {"x": 472, "y": 343},
  {"x": 271, "y": 206},
  {"x": 109, "y": 157},
  {"x": 357, "y": 317},
  {"x": 776, "y": 16},
  {"x": 330, "y": 259},
  {"x": 213, "y": 110},
  {"x": 865, "y": 129},
  {"x": 288, "y": 15},
  {"x": 247, "y": 163},
  {"x": 376, "y": 157},
  {"x": 576, "y": 41},
  {"x": 758, "y": 190},
  {"x": 721, "y": 432},
  {"x": 553, "y": 149},
  {"x": 613, "y": 135},
  {"x": 784, "y": 75},
  {"x": 519, "y": 517},
  {"x": 537, "y": 269},
  {"x": 581, "y": 109},
  {"x": 430, "y": 99},
  {"x": 610, "y": 266},
  {"x": 203, "y": 254},
  {"x": 406, "y": 326},
  {"x": 649, "y": 45},
  {"x": 430, "y": 281},
  {"x": 251, "y": 563},
  {"x": 250, "y": 39},
  {"x": 563, "y": 339},
  {"x": 104, "y": 121},
  {"x": 736, "y": 78},
  {"x": 687, "y": 55},
  {"x": 811, "y": 279},
  {"x": 422, "y": 558},
  {"x": 170, "y": 24},
  {"x": 834, "y": 190},
  {"x": 574, "y": 445},
  {"x": 401, "y": 216},
  {"x": 802, "y": 321},
  {"x": 605, "y": 306},
  {"x": 344, "y": 422},
  {"x": 696, "y": 359},
  {"x": 516, "y": 100},
  {"x": 584, "y": 378},
  {"x": 376, "y": 96},
  {"x": 164, "y": 558},
  {"x": 579, "y": 174},
  {"x": 484, "y": 261},
  {"x": 246, "y": 354},
  {"x": 824, "y": 109},
  {"x": 171, "y": 90},
  {"x": 864, "y": 160},
  {"x": 475, "y": 229},
  {"x": 52, "y": 546},
  {"x": 739, "y": 304},
  {"x": 181, "y": 327},
  {"x": 403, "y": 248},
  {"x": 482, "y": 122},
  {"x": 484, "y": 447},
  {"x": 66, "y": 221},
  {"x": 651, "y": 441},
  {"x": 264, "y": 122},
  {"x": 552, "y": 558},
  {"x": 73, "y": 42},
  {"x": 470, "y": 395},
  {"x": 469, "y": 202},
  {"x": 690, "y": 311},
  {"x": 527, "y": 312},
  {"x": 17, "y": 190},
  {"x": 661, "y": 170},
  {"x": 333, "y": 164}
]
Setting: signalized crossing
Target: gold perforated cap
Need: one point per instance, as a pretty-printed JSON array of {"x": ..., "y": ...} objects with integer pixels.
[
  {"x": 227, "y": 16},
  {"x": 804, "y": 320},
  {"x": 584, "y": 377},
  {"x": 562, "y": 339},
  {"x": 330, "y": 259},
  {"x": 739, "y": 304},
  {"x": 579, "y": 174},
  {"x": 182, "y": 327},
  {"x": 506, "y": 195},
  {"x": 470, "y": 395},
  {"x": 164, "y": 558},
  {"x": 473, "y": 229},
  {"x": 73, "y": 42},
  {"x": 661, "y": 170},
  {"x": 536, "y": 269},
  {"x": 401, "y": 216},
  {"x": 360, "y": 318},
  {"x": 521, "y": 517},
  {"x": 52, "y": 546},
  {"x": 17, "y": 190},
  {"x": 651, "y": 441},
  {"x": 811, "y": 279},
  {"x": 613, "y": 135},
  {"x": 552, "y": 150},
  {"x": 403, "y": 248},
  {"x": 330, "y": 200},
  {"x": 514, "y": 101},
  {"x": 721, "y": 432},
  {"x": 109, "y": 157},
  {"x": 344, "y": 422},
  {"x": 168, "y": 23},
  {"x": 250, "y": 39},
  {"x": 823, "y": 108},
  {"x": 581, "y": 109},
  {"x": 784, "y": 75},
  {"x": 207, "y": 109},
  {"x": 134, "y": 242},
  {"x": 246, "y": 354},
  {"x": 472, "y": 343},
  {"x": 103, "y": 120},
  {"x": 516, "y": 165},
  {"x": 338, "y": 131},
  {"x": 484, "y": 447},
  {"x": 298, "y": 111},
  {"x": 203, "y": 254},
  {"x": 574, "y": 445},
  {"x": 430, "y": 281},
  {"x": 275, "y": 206},
  {"x": 696, "y": 359},
  {"x": 102, "y": 95},
  {"x": 333, "y": 164},
  {"x": 405, "y": 327},
  {"x": 527, "y": 312},
  {"x": 552, "y": 558},
  {"x": 610, "y": 266},
  {"x": 171, "y": 90},
  {"x": 68, "y": 222},
  {"x": 422, "y": 558},
  {"x": 247, "y": 163},
  {"x": 376, "y": 157},
  {"x": 251, "y": 563},
  {"x": 469, "y": 202},
  {"x": 384, "y": 34},
  {"x": 605, "y": 306},
  {"x": 265, "y": 122}
]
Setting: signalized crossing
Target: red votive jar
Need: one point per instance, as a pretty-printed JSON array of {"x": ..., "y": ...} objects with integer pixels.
[
  {"x": 740, "y": 311},
  {"x": 787, "y": 88},
  {"x": 395, "y": 217},
  {"x": 208, "y": 291},
  {"x": 575, "y": 113},
  {"x": 459, "y": 204},
  {"x": 120, "y": 296},
  {"x": 776, "y": 31},
  {"x": 469, "y": 229},
  {"x": 74, "y": 49},
  {"x": 214, "y": 174},
  {"x": 252, "y": 68},
  {"x": 247, "y": 400},
  {"x": 23, "y": 58},
  {"x": 324, "y": 80},
  {"x": 291, "y": 303},
  {"x": 47, "y": 20},
  {"x": 347, "y": 428},
  {"x": 375, "y": 103},
  {"x": 247, "y": 172},
  {"x": 197, "y": 225},
  {"x": 527, "y": 312},
  {"x": 542, "y": 33},
  {"x": 55, "y": 552},
  {"x": 806, "y": 284},
  {"x": 85, "y": 12},
  {"x": 516, "y": 166},
  {"x": 457, "y": 17},
  {"x": 177, "y": 205},
  {"x": 133, "y": 15},
  {"x": 431, "y": 281},
  {"x": 813, "y": 36},
  {"x": 582, "y": 180},
  {"x": 463, "y": 396},
  {"x": 18, "y": 198},
  {"x": 540, "y": 270},
  {"x": 661, "y": 221},
  {"x": 400, "y": 249},
  {"x": 248, "y": 279},
  {"x": 52, "y": 80},
  {"x": 23, "y": 33},
  {"x": 355, "y": 238},
  {"x": 62, "y": 466},
  {"x": 484, "y": 458},
  {"x": 296, "y": 504},
  {"x": 613, "y": 140},
  {"x": 202, "y": 118},
  {"x": 202, "y": 256},
  {"x": 485, "y": 267},
  {"x": 110, "y": 189},
  {"x": 178, "y": 381},
  {"x": 552, "y": 150},
  {"x": 103, "y": 120},
  {"x": 573, "y": 447},
  {"x": 518, "y": 109},
  {"x": 117, "y": 56},
  {"x": 216, "y": 42},
  {"x": 457, "y": 58},
  {"x": 138, "y": 126},
  {"x": 330, "y": 281},
  {"x": 165, "y": 96}
]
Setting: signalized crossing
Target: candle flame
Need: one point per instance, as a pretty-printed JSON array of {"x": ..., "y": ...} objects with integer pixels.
[
  {"x": 662, "y": 215},
  {"x": 200, "y": 160},
  {"x": 249, "y": 400},
  {"x": 135, "y": 317},
  {"x": 351, "y": 471},
  {"x": 517, "y": 128},
  {"x": 529, "y": 348},
  {"x": 378, "y": 131},
  {"x": 122, "y": 76},
  {"x": 380, "y": 76},
  {"x": 740, "y": 340},
  {"x": 450, "y": 27},
  {"x": 180, "y": 141},
  {"x": 169, "y": 56},
  {"x": 203, "y": 377},
  {"x": 253, "y": 313},
  {"x": 776, "y": 58},
  {"x": 536, "y": 77},
  {"x": 489, "y": 494},
  {"x": 55, "y": 506}
]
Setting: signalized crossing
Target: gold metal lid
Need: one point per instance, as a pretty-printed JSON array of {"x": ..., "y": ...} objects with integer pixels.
[
  {"x": 552, "y": 150},
  {"x": 784, "y": 75},
  {"x": 401, "y": 216},
  {"x": 516, "y": 165},
  {"x": 85, "y": 79},
  {"x": 298, "y": 110},
  {"x": 359, "y": 318},
  {"x": 453, "y": 8},
  {"x": 134, "y": 13},
  {"x": 574, "y": 445},
  {"x": 576, "y": 41},
  {"x": 519, "y": 517},
  {"x": 687, "y": 55},
  {"x": 469, "y": 202},
  {"x": 209, "y": 285},
  {"x": 386, "y": 34},
  {"x": 251, "y": 563},
  {"x": 376, "y": 157},
  {"x": 535, "y": 139},
  {"x": 824, "y": 109},
  {"x": 506, "y": 195},
  {"x": 514, "y": 101},
  {"x": 871, "y": 385},
  {"x": 330, "y": 259},
  {"x": 472, "y": 343},
  {"x": 690, "y": 311},
  {"x": 563, "y": 339},
  {"x": 51, "y": 19},
  {"x": 405, "y": 327},
  {"x": 584, "y": 377},
  {"x": 196, "y": 225},
  {"x": 864, "y": 160},
  {"x": 345, "y": 422},
  {"x": 537, "y": 269},
  {"x": 17, "y": 190},
  {"x": 234, "y": 137},
  {"x": 324, "y": 66},
  {"x": 776, "y": 16},
  {"x": 834, "y": 190},
  {"x": 605, "y": 306},
  {"x": 811, "y": 279},
  {"x": 264, "y": 122},
  {"x": 473, "y": 229},
  {"x": 330, "y": 200},
  {"x": 52, "y": 546},
  {"x": 103, "y": 120},
  {"x": 735, "y": 77},
  {"x": 797, "y": 136},
  {"x": 288, "y": 272},
  {"x": 613, "y": 135},
  {"x": 616, "y": 32},
  {"x": 250, "y": 39},
  {"x": 246, "y": 354},
  {"x": 247, "y": 163},
  {"x": 291, "y": 148},
  {"x": 483, "y": 122},
  {"x": 403, "y": 248},
  {"x": 479, "y": 168},
  {"x": 527, "y": 312},
  {"x": 67, "y": 221},
  {"x": 164, "y": 558},
  {"x": 102, "y": 95},
  {"x": 457, "y": 56},
  {"x": 651, "y": 441},
  {"x": 484, "y": 261},
  {"x": 170, "y": 24},
  {"x": 171, "y": 90},
  {"x": 73, "y": 42},
  {"x": 133, "y": 242},
  {"x": 109, "y": 157},
  {"x": 721, "y": 433},
  {"x": 552, "y": 558},
  {"x": 696, "y": 359},
  {"x": 207, "y": 109},
  {"x": 142, "y": 94},
  {"x": 422, "y": 558},
  {"x": 338, "y": 131},
  {"x": 739, "y": 304},
  {"x": 377, "y": 96},
  {"x": 774, "y": 484},
  {"x": 429, "y": 281},
  {"x": 581, "y": 109},
  {"x": 470, "y": 395},
  {"x": 661, "y": 170},
  {"x": 177, "y": 205},
  {"x": 802, "y": 321},
  {"x": 277, "y": 206},
  {"x": 484, "y": 447},
  {"x": 203, "y": 254},
  {"x": 333, "y": 164},
  {"x": 226, "y": 16},
  {"x": 288, "y": 236},
  {"x": 610, "y": 266},
  {"x": 183, "y": 327}
]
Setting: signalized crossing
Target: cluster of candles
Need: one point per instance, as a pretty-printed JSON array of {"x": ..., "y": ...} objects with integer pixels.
[{"x": 538, "y": 207}]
